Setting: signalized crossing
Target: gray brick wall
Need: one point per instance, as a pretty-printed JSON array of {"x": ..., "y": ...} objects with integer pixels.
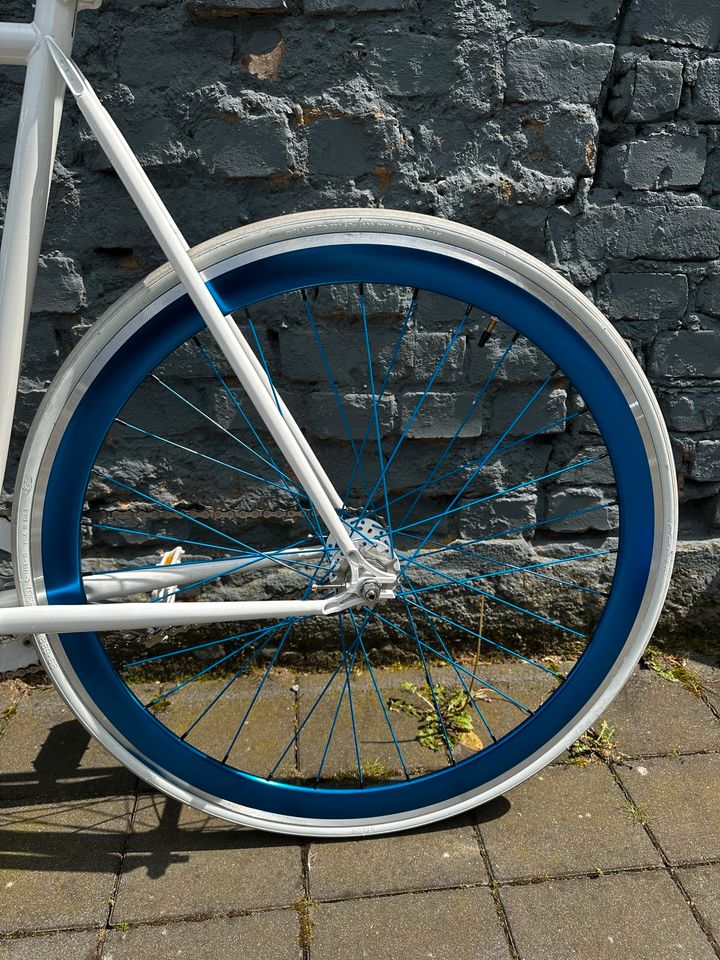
[{"x": 585, "y": 131}]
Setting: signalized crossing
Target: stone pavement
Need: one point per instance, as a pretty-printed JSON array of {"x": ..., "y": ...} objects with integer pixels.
[{"x": 616, "y": 859}]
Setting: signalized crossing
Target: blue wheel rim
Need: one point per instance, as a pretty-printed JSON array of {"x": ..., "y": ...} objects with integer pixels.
[{"x": 246, "y": 284}]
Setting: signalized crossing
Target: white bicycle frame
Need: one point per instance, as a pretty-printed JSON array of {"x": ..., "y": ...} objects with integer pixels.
[{"x": 44, "y": 48}]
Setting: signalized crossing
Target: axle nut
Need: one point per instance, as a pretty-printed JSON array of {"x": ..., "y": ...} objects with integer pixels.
[{"x": 370, "y": 590}]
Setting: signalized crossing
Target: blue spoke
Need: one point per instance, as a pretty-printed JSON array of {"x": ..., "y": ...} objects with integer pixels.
[
  {"x": 501, "y": 573},
  {"x": 205, "y": 456},
  {"x": 263, "y": 360},
  {"x": 393, "y": 357},
  {"x": 505, "y": 603},
  {"x": 324, "y": 690},
  {"x": 465, "y": 419},
  {"x": 269, "y": 633},
  {"x": 220, "y": 427},
  {"x": 503, "y": 449},
  {"x": 198, "y": 646},
  {"x": 463, "y": 683},
  {"x": 375, "y": 404},
  {"x": 333, "y": 385},
  {"x": 418, "y": 406},
  {"x": 381, "y": 701},
  {"x": 430, "y": 684},
  {"x": 486, "y": 559},
  {"x": 259, "y": 688},
  {"x": 495, "y": 446},
  {"x": 345, "y": 686},
  {"x": 157, "y": 536},
  {"x": 506, "y": 533},
  {"x": 468, "y": 673},
  {"x": 491, "y": 496},
  {"x": 185, "y": 516}
]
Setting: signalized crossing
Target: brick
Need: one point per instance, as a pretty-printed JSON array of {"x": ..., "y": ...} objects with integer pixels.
[
  {"x": 439, "y": 416},
  {"x": 539, "y": 69},
  {"x": 231, "y": 869},
  {"x": 656, "y": 91},
  {"x": 706, "y": 93},
  {"x": 661, "y": 232},
  {"x": 503, "y": 513},
  {"x": 79, "y": 946},
  {"x": 692, "y": 22},
  {"x": 659, "y": 162},
  {"x": 353, "y": 6},
  {"x": 412, "y": 64},
  {"x": 227, "y": 8},
  {"x": 581, "y": 13},
  {"x": 653, "y": 716},
  {"x": 246, "y": 147},
  {"x": 139, "y": 62},
  {"x": 446, "y": 856},
  {"x": 692, "y": 411},
  {"x": 686, "y": 353},
  {"x": 708, "y": 296},
  {"x": 566, "y": 820},
  {"x": 59, "y": 287},
  {"x": 702, "y": 884},
  {"x": 550, "y": 406},
  {"x": 678, "y": 798},
  {"x": 569, "y": 500},
  {"x": 643, "y": 296},
  {"x": 262, "y": 935},
  {"x": 638, "y": 915},
  {"x": 706, "y": 461},
  {"x": 81, "y": 841},
  {"x": 429, "y": 350},
  {"x": 327, "y": 422},
  {"x": 340, "y": 147},
  {"x": 393, "y": 927}
]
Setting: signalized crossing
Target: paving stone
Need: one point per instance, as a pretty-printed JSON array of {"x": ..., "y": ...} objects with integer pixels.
[
  {"x": 639, "y": 916},
  {"x": 446, "y": 925},
  {"x": 678, "y": 797},
  {"x": 55, "y": 946},
  {"x": 180, "y": 863},
  {"x": 702, "y": 884},
  {"x": 267, "y": 731},
  {"x": 58, "y": 862},
  {"x": 444, "y": 855},
  {"x": 46, "y": 752},
  {"x": 566, "y": 820},
  {"x": 255, "y": 937},
  {"x": 708, "y": 670},
  {"x": 656, "y": 716}
]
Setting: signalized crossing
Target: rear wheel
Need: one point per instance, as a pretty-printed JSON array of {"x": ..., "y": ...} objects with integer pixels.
[{"x": 486, "y": 428}]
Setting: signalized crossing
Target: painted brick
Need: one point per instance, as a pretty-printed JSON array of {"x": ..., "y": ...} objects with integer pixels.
[
  {"x": 706, "y": 93},
  {"x": 692, "y": 411},
  {"x": 692, "y": 22},
  {"x": 439, "y": 415},
  {"x": 326, "y": 422},
  {"x": 659, "y": 162},
  {"x": 656, "y": 91},
  {"x": 568, "y": 500},
  {"x": 581, "y": 13},
  {"x": 708, "y": 296},
  {"x": 228, "y": 8},
  {"x": 508, "y": 403},
  {"x": 353, "y": 6},
  {"x": 686, "y": 354},
  {"x": 59, "y": 287},
  {"x": 337, "y": 144},
  {"x": 643, "y": 296},
  {"x": 429, "y": 350},
  {"x": 246, "y": 147},
  {"x": 550, "y": 70},
  {"x": 706, "y": 461},
  {"x": 412, "y": 64}
]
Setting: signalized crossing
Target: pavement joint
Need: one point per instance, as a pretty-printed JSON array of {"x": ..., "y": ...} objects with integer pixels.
[
  {"x": 670, "y": 869},
  {"x": 497, "y": 902}
]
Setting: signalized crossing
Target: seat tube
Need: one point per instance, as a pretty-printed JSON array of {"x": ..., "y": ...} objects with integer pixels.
[{"x": 37, "y": 135}]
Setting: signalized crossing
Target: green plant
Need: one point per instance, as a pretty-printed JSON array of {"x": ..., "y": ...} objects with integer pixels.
[
  {"x": 672, "y": 668},
  {"x": 442, "y": 713},
  {"x": 596, "y": 746}
]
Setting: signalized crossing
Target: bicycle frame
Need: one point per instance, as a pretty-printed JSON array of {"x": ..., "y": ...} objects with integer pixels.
[{"x": 44, "y": 47}]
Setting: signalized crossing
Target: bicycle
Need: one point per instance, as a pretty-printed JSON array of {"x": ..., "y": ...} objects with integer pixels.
[{"x": 452, "y": 396}]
